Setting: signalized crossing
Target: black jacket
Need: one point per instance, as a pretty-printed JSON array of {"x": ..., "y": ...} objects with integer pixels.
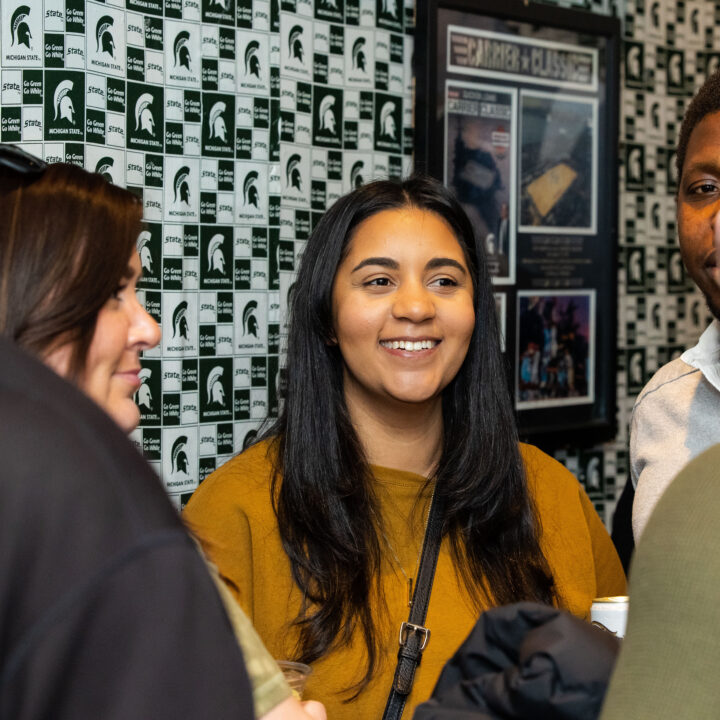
[
  {"x": 106, "y": 608},
  {"x": 526, "y": 661}
]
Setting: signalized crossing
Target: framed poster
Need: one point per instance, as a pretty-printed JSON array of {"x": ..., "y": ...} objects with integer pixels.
[{"x": 525, "y": 99}]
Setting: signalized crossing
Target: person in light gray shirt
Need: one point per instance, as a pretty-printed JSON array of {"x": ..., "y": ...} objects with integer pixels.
[{"x": 676, "y": 415}]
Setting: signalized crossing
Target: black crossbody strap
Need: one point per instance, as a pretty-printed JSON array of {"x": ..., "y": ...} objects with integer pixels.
[{"x": 413, "y": 636}]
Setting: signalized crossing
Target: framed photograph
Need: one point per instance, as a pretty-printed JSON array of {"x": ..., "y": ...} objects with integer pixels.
[
  {"x": 558, "y": 164},
  {"x": 480, "y": 132},
  {"x": 556, "y": 348},
  {"x": 525, "y": 100}
]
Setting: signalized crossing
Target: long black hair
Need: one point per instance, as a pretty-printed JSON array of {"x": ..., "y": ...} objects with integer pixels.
[{"x": 323, "y": 487}]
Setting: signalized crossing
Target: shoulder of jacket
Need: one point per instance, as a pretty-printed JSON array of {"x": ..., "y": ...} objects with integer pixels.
[{"x": 667, "y": 378}]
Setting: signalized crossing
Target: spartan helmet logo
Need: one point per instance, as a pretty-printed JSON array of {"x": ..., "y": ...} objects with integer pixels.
[
  {"x": 389, "y": 7},
  {"x": 655, "y": 14},
  {"x": 328, "y": 123},
  {"x": 215, "y": 256},
  {"x": 655, "y": 214},
  {"x": 250, "y": 191},
  {"x": 179, "y": 321},
  {"x": 292, "y": 172},
  {"x": 103, "y": 168},
  {"x": 636, "y": 269},
  {"x": 182, "y": 52},
  {"x": 19, "y": 28},
  {"x": 179, "y": 456},
  {"x": 216, "y": 121},
  {"x": 181, "y": 185},
  {"x": 356, "y": 179},
  {"x": 387, "y": 120},
  {"x": 592, "y": 473},
  {"x": 221, "y": 3},
  {"x": 656, "y": 316},
  {"x": 143, "y": 247},
  {"x": 214, "y": 386},
  {"x": 252, "y": 62},
  {"x": 676, "y": 69},
  {"x": 634, "y": 62},
  {"x": 676, "y": 269},
  {"x": 636, "y": 371},
  {"x": 64, "y": 107},
  {"x": 250, "y": 322},
  {"x": 143, "y": 117},
  {"x": 635, "y": 164},
  {"x": 695, "y": 313},
  {"x": 295, "y": 43},
  {"x": 655, "y": 114},
  {"x": 103, "y": 35},
  {"x": 249, "y": 439},
  {"x": 143, "y": 397},
  {"x": 358, "y": 54}
]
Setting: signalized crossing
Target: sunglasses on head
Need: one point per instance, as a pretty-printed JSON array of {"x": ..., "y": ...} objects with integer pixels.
[{"x": 13, "y": 158}]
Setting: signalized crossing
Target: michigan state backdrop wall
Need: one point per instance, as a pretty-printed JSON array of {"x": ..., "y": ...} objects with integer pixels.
[{"x": 238, "y": 122}]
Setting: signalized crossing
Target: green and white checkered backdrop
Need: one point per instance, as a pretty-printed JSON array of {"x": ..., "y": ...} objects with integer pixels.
[{"x": 239, "y": 122}]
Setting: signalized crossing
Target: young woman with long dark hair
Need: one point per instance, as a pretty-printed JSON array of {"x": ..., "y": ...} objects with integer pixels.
[{"x": 395, "y": 392}]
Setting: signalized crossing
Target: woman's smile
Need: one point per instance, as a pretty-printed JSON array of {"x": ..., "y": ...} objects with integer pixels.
[
  {"x": 409, "y": 346},
  {"x": 131, "y": 377}
]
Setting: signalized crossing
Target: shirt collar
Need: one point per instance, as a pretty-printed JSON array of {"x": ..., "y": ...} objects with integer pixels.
[{"x": 705, "y": 356}]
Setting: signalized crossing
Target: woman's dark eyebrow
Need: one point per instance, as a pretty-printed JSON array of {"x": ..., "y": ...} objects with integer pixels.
[
  {"x": 393, "y": 264},
  {"x": 444, "y": 262},
  {"x": 382, "y": 261}
]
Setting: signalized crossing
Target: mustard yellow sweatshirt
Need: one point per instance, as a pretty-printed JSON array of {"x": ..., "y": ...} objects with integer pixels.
[{"x": 232, "y": 514}]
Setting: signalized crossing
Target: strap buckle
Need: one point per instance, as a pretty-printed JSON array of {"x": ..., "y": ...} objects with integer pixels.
[{"x": 406, "y": 628}]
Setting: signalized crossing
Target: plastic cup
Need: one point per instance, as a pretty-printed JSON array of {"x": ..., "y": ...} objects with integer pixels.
[{"x": 296, "y": 674}]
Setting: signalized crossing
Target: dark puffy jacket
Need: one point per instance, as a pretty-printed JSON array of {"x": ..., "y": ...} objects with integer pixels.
[{"x": 526, "y": 661}]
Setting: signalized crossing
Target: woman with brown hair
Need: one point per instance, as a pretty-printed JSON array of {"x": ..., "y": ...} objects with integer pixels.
[{"x": 68, "y": 269}]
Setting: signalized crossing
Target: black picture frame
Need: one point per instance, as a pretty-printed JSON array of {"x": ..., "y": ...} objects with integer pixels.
[{"x": 516, "y": 109}]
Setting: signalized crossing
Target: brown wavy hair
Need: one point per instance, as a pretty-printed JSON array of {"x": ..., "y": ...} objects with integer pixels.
[{"x": 65, "y": 240}]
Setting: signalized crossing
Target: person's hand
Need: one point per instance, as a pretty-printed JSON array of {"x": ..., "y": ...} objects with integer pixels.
[{"x": 315, "y": 709}]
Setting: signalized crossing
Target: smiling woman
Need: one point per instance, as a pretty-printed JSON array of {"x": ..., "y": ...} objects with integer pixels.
[{"x": 396, "y": 393}]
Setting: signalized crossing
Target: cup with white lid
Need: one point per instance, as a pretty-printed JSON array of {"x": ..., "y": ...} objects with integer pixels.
[{"x": 610, "y": 613}]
